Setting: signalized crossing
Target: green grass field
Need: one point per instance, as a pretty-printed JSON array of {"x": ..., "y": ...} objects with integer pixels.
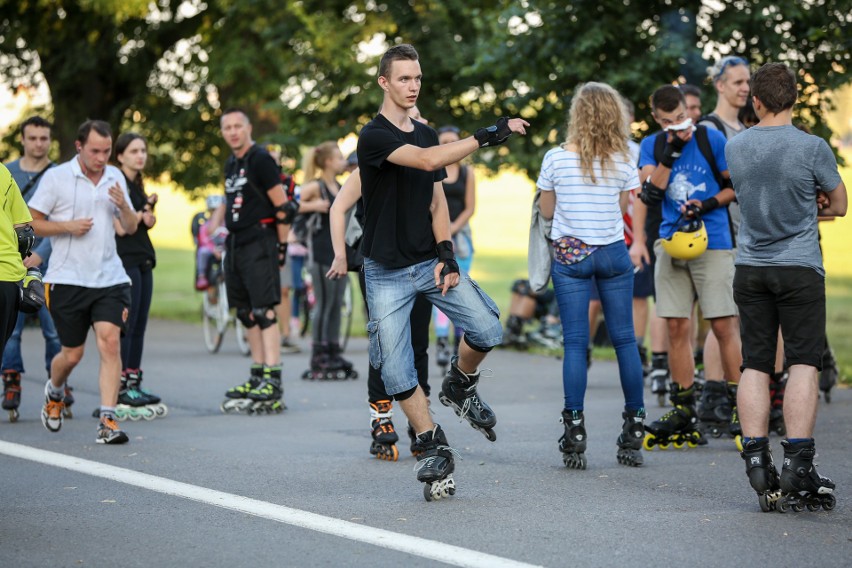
[{"x": 175, "y": 298}]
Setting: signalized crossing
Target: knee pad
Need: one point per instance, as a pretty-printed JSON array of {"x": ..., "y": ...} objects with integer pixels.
[
  {"x": 523, "y": 288},
  {"x": 476, "y": 348},
  {"x": 404, "y": 395},
  {"x": 261, "y": 319},
  {"x": 244, "y": 315}
]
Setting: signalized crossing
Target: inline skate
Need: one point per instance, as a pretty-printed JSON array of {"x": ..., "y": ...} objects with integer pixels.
[
  {"x": 266, "y": 396},
  {"x": 572, "y": 444},
  {"x": 132, "y": 404},
  {"x": 659, "y": 376},
  {"x": 777, "y": 385},
  {"x": 12, "y": 393},
  {"x": 801, "y": 485},
  {"x": 714, "y": 409},
  {"x": 435, "y": 465},
  {"x": 416, "y": 447},
  {"x": 761, "y": 472},
  {"x": 513, "y": 334},
  {"x": 320, "y": 364},
  {"x": 384, "y": 434},
  {"x": 237, "y": 399},
  {"x": 828, "y": 375},
  {"x": 134, "y": 381},
  {"x": 340, "y": 368},
  {"x": 459, "y": 392},
  {"x": 677, "y": 427},
  {"x": 630, "y": 440}
]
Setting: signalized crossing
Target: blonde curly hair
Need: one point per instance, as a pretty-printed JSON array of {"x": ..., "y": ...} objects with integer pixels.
[{"x": 597, "y": 126}]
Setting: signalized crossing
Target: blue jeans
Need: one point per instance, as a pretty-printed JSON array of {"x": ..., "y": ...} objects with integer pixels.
[
  {"x": 613, "y": 272},
  {"x": 12, "y": 358},
  {"x": 390, "y": 296}
]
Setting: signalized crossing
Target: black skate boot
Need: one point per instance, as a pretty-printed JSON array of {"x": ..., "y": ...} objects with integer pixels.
[
  {"x": 266, "y": 396},
  {"x": 416, "y": 448},
  {"x": 678, "y": 426},
  {"x": 459, "y": 392},
  {"x": 384, "y": 435},
  {"x": 572, "y": 444},
  {"x": 630, "y": 440},
  {"x": 12, "y": 393},
  {"x": 320, "y": 364},
  {"x": 513, "y": 334},
  {"x": 828, "y": 375},
  {"x": 341, "y": 368},
  {"x": 659, "y": 376},
  {"x": 132, "y": 404},
  {"x": 435, "y": 465},
  {"x": 442, "y": 353},
  {"x": 152, "y": 401},
  {"x": 777, "y": 384},
  {"x": 761, "y": 472},
  {"x": 801, "y": 485},
  {"x": 237, "y": 400},
  {"x": 714, "y": 409}
]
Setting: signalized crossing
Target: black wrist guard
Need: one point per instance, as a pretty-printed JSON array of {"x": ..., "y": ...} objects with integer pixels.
[
  {"x": 709, "y": 204},
  {"x": 448, "y": 257},
  {"x": 651, "y": 194},
  {"x": 494, "y": 135},
  {"x": 26, "y": 239},
  {"x": 282, "y": 254},
  {"x": 672, "y": 152}
]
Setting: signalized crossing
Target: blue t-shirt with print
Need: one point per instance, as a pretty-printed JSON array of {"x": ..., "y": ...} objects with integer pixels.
[{"x": 692, "y": 178}]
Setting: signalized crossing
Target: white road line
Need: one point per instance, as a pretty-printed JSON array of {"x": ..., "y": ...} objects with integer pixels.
[{"x": 433, "y": 550}]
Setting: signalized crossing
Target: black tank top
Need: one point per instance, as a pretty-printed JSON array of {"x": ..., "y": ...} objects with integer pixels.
[
  {"x": 456, "y": 192},
  {"x": 321, "y": 242}
]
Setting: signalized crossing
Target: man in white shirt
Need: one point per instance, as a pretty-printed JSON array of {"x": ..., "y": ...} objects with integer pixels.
[{"x": 87, "y": 284}]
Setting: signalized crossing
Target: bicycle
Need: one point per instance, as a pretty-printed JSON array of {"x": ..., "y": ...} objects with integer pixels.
[
  {"x": 307, "y": 308},
  {"x": 216, "y": 315}
]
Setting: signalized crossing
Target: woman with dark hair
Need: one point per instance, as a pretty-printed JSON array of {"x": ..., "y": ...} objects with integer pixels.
[{"x": 137, "y": 256}]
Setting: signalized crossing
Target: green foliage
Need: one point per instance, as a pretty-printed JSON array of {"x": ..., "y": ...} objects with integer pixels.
[{"x": 306, "y": 70}]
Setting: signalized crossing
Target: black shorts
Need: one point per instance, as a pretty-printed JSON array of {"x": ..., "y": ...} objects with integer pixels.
[
  {"x": 252, "y": 275},
  {"x": 75, "y": 308},
  {"x": 792, "y": 297}
]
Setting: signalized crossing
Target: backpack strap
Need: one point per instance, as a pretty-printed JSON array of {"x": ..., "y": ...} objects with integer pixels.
[
  {"x": 31, "y": 184},
  {"x": 717, "y": 122},
  {"x": 703, "y": 140},
  {"x": 659, "y": 146}
]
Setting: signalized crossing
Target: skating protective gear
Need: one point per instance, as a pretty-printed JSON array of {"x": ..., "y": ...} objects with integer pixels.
[
  {"x": 259, "y": 315},
  {"x": 282, "y": 254},
  {"x": 523, "y": 288},
  {"x": 244, "y": 315},
  {"x": 672, "y": 151},
  {"x": 651, "y": 194},
  {"x": 708, "y": 205},
  {"x": 214, "y": 201},
  {"x": 26, "y": 239},
  {"x": 688, "y": 242},
  {"x": 448, "y": 257},
  {"x": 286, "y": 213},
  {"x": 32, "y": 292},
  {"x": 494, "y": 135},
  {"x": 405, "y": 395},
  {"x": 476, "y": 348}
]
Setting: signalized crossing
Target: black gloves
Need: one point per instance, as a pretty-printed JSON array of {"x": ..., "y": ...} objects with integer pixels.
[
  {"x": 672, "y": 151},
  {"x": 494, "y": 135},
  {"x": 32, "y": 292},
  {"x": 448, "y": 257}
]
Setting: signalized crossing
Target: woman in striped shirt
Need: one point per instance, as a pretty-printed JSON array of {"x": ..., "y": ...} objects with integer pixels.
[{"x": 584, "y": 186}]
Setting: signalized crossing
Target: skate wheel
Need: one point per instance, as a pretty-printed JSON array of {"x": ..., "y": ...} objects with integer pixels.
[
  {"x": 828, "y": 502},
  {"x": 223, "y": 409},
  {"x": 13, "y": 415},
  {"x": 648, "y": 442},
  {"x": 149, "y": 414},
  {"x": 782, "y": 506},
  {"x": 663, "y": 445},
  {"x": 490, "y": 435},
  {"x": 765, "y": 505},
  {"x": 716, "y": 433},
  {"x": 797, "y": 508},
  {"x": 679, "y": 445},
  {"x": 692, "y": 444},
  {"x": 813, "y": 506},
  {"x": 738, "y": 442},
  {"x": 162, "y": 410}
]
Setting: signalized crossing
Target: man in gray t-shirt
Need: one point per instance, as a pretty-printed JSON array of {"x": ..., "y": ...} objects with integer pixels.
[{"x": 782, "y": 178}]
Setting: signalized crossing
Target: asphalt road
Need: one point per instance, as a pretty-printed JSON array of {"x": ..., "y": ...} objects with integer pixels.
[{"x": 301, "y": 489}]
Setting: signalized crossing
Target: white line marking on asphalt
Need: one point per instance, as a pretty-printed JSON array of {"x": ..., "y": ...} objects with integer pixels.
[{"x": 415, "y": 546}]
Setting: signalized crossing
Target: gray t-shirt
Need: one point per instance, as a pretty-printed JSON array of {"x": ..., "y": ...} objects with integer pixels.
[{"x": 777, "y": 171}]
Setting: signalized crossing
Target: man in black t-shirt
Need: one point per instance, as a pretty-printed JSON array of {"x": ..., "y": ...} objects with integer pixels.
[
  {"x": 257, "y": 215},
  {"x": 407, "y": 250}
]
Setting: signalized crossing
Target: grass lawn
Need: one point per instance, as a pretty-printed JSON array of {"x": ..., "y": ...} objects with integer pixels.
[{"x": 175, "y": 298}]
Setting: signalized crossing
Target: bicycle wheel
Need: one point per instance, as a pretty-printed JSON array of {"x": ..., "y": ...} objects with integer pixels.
[
  {"x": 347, "y": 308},
  {"x": 210, "y": 314}
]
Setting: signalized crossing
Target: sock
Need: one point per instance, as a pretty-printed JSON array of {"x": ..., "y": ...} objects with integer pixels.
[
  {"x": 56, "y": 393},
  {"x": 747, "y": 439},
  {"x": 799, "y": 440},
  {"x": 107, "y": 411}
]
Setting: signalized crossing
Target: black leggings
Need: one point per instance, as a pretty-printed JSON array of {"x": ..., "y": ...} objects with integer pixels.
[
  {"x": 421, "y": 317},
  {"x": 141, "y": 291},
  {"x": 9, "y": 297},
  {"x": 329, "y": 303}
]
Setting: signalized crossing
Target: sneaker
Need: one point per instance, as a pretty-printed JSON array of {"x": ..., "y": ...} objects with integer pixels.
[
  {"x": 52, "y": 412},
  {"x": 288, "y": 347},
  {"x": 109, "y": 432},
  {"x": 201, "y": 283}
]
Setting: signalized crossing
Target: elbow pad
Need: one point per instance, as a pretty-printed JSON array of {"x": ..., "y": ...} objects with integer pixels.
[
  {"x": 651, "y": 194},
  {"x": 286, "y": 212}
]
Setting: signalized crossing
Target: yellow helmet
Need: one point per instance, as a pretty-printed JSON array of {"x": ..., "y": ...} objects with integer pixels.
[{"x": 688, "y": 242}]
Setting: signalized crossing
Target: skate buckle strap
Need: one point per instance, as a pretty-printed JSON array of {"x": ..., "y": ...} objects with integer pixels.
[{"x": 427, "y": 462}]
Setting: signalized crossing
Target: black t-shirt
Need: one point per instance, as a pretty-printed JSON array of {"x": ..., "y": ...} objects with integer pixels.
[
  {"x": 247, "y": 180},
  {"x": 136, "y": 249},
  {"x": 397, "y": 220}
]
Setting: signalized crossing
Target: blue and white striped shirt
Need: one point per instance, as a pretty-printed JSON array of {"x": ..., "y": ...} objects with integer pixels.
[{"x": 585, "y": 210}]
